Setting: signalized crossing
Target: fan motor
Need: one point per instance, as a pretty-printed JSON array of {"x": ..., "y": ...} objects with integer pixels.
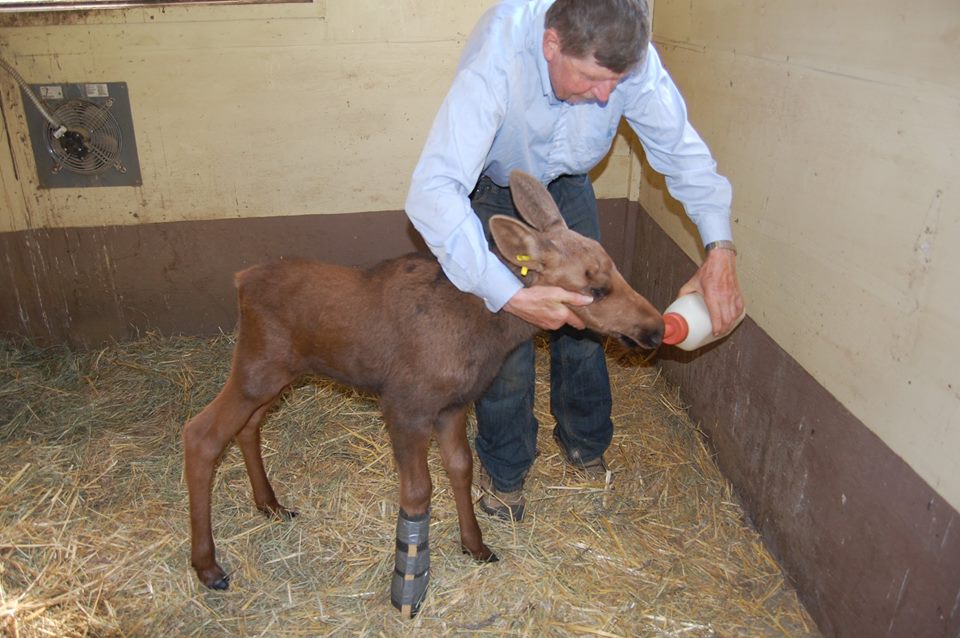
[{"x": 74, "y": 144}]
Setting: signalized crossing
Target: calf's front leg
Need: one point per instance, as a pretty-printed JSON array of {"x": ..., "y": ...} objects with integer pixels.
[
  {"x": 411, "y": 574},
  {"x": 458, "y": 462}
]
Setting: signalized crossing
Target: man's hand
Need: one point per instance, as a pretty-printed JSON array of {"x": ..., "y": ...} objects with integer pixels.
[
  {"x": 546, "y": 306},
  {"x": 716, "y": 280}
]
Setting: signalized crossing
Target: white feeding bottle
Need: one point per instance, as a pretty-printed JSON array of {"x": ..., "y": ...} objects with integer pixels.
[{"x": 687, "y": 325}]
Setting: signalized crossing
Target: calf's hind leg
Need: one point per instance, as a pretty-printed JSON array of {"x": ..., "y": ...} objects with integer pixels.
[
  {"x": 205, "y": 437},
  {"x": 249, "y": 441}
]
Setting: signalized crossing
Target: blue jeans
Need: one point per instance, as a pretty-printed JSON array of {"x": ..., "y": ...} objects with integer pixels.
[{"x": 579, "y": 386}]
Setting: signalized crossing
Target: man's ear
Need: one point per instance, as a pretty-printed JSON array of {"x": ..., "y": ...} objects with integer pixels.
[
  {"x": 551, "y": 44},
  {"x": 518, "y": 243}
]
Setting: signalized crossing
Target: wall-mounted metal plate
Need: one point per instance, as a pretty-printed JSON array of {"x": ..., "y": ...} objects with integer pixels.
[{"x": 99, "y": 147}]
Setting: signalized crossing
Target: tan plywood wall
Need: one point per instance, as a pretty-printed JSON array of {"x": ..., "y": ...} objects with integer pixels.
[
  {"x": 245, "y": 111},
  {"x": 839, "y": 126}
]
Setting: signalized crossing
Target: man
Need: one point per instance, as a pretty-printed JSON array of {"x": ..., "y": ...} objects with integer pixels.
[{"x": 542, "y": 87}]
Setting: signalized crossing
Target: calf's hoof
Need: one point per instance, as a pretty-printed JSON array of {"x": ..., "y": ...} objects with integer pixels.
[
  {"x": 485, "y": 555},
  {"x": 279, "y": 512},
  {"x": 221, "y": 584},
  {"x": 214, "y": 578}
]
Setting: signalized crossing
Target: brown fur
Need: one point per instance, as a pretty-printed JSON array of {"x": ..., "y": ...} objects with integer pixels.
[{"x": 403, "y": 331}]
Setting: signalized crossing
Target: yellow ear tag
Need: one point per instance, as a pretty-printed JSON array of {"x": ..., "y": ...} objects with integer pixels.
[{"x": 523, "y": 270}]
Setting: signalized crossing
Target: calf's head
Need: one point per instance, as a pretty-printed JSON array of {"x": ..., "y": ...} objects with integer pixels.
[{"x": 548, "y": 253}]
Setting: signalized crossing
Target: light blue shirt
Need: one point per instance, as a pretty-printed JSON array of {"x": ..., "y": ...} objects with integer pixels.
[{"x": 501, "y": 114}]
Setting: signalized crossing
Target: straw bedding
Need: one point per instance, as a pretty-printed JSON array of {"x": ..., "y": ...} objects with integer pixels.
[{"x": 94, "y": 534}]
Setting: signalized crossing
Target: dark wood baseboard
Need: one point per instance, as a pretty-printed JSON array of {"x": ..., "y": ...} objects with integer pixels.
[
  {"x": 83, "y": 286},
  {"x": 872, "y": 549},
  {"x": 86, "y": 285}
]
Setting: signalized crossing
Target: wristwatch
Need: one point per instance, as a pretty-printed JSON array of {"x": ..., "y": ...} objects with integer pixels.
[{"x": 726, "y": 244}]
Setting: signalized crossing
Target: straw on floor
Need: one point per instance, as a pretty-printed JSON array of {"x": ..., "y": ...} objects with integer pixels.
[{"x": 94, "y": 535}]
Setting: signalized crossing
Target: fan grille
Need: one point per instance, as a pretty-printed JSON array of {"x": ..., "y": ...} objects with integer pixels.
[{"x": 93, "y": 140}]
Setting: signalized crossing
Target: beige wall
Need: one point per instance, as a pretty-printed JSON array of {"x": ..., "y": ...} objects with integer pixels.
[
  {"x": 246, "y": 111},
  {"x": 839, "y": 126}
]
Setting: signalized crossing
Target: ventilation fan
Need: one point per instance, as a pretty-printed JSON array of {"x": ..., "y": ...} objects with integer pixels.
[
  {"x": 81, "y": 134},
  {"x": 92, "y": 142}
]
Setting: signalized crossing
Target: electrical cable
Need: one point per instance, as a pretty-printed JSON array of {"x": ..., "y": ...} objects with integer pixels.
[{"x": 59, "y": 129}]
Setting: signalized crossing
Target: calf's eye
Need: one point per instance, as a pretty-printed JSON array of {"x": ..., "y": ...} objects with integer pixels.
[{"x": 598, "y": 293}]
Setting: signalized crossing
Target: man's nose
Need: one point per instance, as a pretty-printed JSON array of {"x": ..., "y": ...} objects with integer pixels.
[{"x": 602, "y": 91}]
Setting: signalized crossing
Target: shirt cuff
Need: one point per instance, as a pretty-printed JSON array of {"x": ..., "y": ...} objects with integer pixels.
[
  {"x": 497, "y": 286},
  {"x": 714, "y": 228}
]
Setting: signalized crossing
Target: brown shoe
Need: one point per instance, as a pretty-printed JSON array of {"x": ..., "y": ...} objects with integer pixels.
[
  {"x": 594, "y": 469},
  {"x": 506, "y": 505}
]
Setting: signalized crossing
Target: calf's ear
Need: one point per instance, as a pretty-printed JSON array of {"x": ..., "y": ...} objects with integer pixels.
[
  {"x": 518, "y": 243},
  {"x": 534, "y": 202}
]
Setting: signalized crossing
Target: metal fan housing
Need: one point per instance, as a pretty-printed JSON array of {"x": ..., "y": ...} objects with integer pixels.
[{"x": 98, "y": 147}]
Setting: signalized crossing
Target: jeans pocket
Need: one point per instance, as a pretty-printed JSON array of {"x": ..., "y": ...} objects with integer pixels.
[{"x": 481, "y": 192}]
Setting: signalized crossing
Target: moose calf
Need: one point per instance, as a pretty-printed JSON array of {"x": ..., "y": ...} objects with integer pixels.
[{"x": 404, "y": 332}]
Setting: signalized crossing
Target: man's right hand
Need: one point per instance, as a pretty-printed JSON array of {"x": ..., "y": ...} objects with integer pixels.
[
  {"x": 716, "y": 280},
  {"x": 547, "y": 307}
]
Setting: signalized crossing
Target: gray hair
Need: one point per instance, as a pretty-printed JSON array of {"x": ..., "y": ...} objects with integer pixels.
[{"x": 614, "y": 32}]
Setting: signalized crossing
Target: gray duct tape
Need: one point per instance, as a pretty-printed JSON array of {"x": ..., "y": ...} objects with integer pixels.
[{"x": 411, "y": 571}]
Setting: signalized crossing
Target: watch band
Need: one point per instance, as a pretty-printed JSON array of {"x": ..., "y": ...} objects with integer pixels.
[{"x": 726, "y": 244}]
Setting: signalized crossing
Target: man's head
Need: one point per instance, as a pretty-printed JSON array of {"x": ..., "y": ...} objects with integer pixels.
[{"x": 591, "y": 44}]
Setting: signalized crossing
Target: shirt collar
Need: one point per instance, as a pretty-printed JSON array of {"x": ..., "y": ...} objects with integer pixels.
[{"x": 535, "y": 48}]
